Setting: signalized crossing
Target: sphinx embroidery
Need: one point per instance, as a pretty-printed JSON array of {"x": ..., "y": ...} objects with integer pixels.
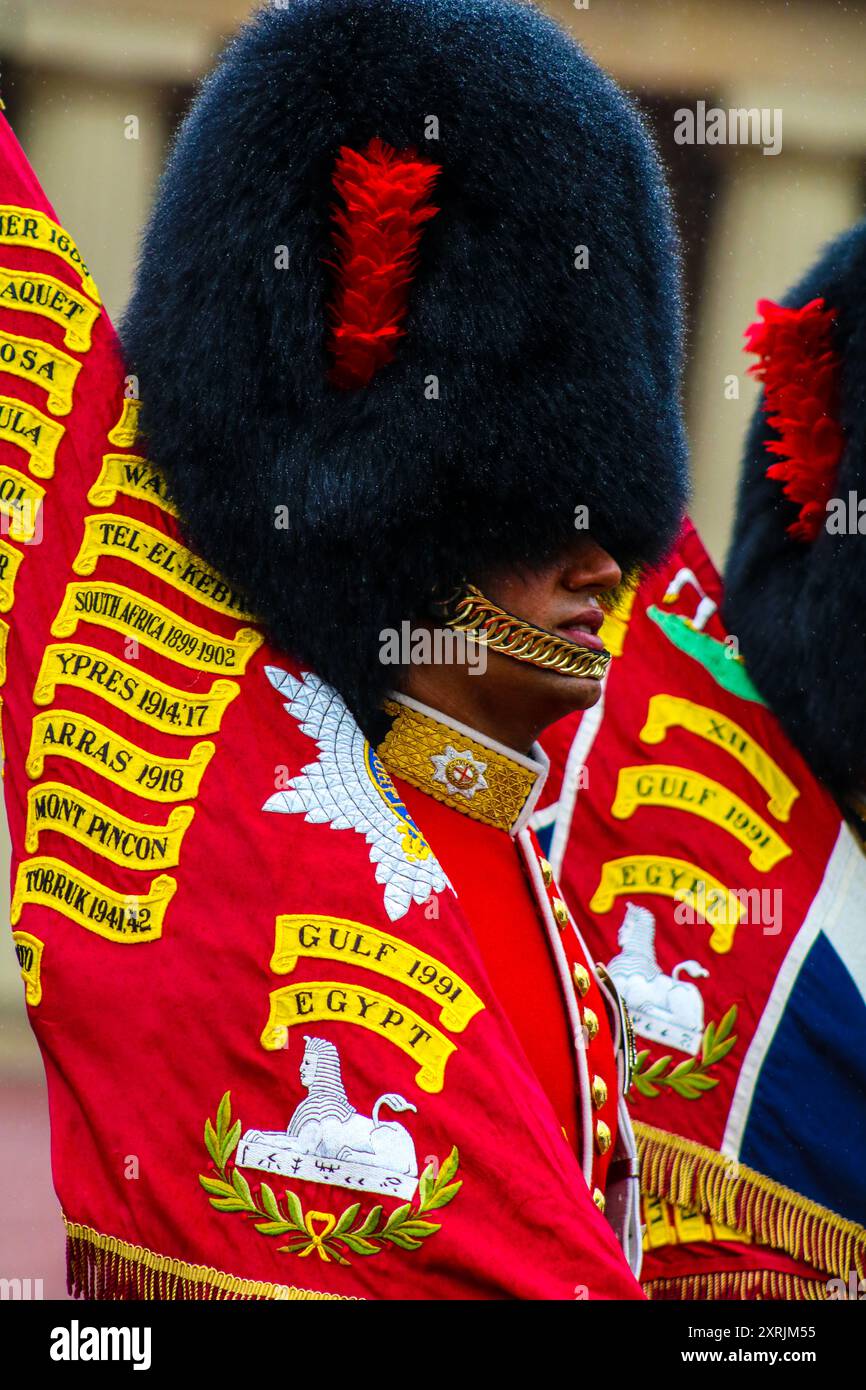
[
  {"x": 663, "y": 1007},
  {"x": 327, "y": 1140}
]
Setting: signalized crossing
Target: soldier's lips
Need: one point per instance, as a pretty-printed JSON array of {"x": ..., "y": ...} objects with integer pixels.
[{"x": 584, "y": 633}]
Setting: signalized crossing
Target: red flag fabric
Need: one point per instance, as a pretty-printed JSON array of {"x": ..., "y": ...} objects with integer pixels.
[
  {"x": 718, "y": 883},
  {"x": 276, "y": 1064}
]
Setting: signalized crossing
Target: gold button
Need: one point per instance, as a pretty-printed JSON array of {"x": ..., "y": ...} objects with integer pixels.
[
  {"x": 546, "y": 872},
  {"x": 560, "y": 912},
  {"x": 590, "y": 1022},
  {"x": 599, "y": 1092},
  {"x": 580, "y": 974},
  {"x": 602, "y": 1136},
  {"x": 599, "y": 1198}
]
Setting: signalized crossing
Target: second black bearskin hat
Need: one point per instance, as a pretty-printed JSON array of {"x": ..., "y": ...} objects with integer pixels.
[
  {"x": 795, "y": 578},
  {"x": 530, "y": 377}
]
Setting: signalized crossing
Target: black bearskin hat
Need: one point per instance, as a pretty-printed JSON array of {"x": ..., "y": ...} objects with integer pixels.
[
  {"x": 534, "y": 371},
  {"x": 796, "y": 576}
]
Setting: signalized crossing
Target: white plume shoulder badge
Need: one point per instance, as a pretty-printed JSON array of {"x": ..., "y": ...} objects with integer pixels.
[{"x": 349, "y": 789}]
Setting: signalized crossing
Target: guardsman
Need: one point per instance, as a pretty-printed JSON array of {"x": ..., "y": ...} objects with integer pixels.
[
  {"x": 795, "y": 579},
  {"x": 316, "y": 1019}
]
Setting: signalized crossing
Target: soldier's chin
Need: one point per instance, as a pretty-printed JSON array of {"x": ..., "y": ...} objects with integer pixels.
[
  {"x": 589, "y": 691},
  {"x": 574, "y": 692}
]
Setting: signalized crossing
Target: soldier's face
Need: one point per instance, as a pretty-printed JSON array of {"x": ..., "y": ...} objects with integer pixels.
[
  {"x": 511, "y": 700},
  {"x": 562, "y": 598}
]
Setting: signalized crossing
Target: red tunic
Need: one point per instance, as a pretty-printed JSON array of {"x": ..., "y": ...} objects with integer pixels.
[
  {"x": 548, "y": 992},
  {"x": 491, "y": 884}
]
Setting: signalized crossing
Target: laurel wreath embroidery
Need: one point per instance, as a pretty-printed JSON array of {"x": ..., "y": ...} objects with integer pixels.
[
  {"x": 320, "y": 1230},
  {"x": 690, "y": 1078}
]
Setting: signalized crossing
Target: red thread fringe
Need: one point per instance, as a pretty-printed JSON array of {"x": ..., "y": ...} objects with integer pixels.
[
  {"x": 800, "y": 373},
  {"x": 376, "y": 235}
]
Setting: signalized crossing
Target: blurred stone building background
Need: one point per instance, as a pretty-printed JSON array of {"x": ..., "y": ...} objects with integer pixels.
[{"x": 73, "y": 73}]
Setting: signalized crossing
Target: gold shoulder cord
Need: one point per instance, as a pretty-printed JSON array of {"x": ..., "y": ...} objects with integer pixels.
[{"x": 469, "y": 611}]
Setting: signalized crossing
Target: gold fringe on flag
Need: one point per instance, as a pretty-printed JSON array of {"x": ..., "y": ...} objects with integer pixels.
[
  {"x": 105, "y": 1268},
  {"x": 692, "y": 1176},
  {"x": 744, "y": 1284}
]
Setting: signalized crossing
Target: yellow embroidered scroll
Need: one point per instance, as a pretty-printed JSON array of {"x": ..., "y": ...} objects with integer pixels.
[
  {"x": 143, "y": 697},
  {"x": 50, "y": 298},
  {"x": 133, "y": 476},
  {"x": 670, "y": 711},
  {"x": 330, "y": 1001},
  {"x": 133, "y": 615},
  {"x": 20, "y": 501},
  {"x": 680, "y": 788},
  {"x": 129, "y": 843},
  {"x": 66, "y": 734},
  {"x": 117, "y": 917},
  {"x": 334, "y": 938},
  {"x": 672, "y": 878},
  {"x": 125, "y": 432},
  {"x": 10, "y": 563},
  {"x": 42, "y": 365},
  {"x": 109, "y": 534},
  {"x": 38, "y": 436},
  {"x": 28, "y": 951},
  {"x": 30, "y": 228}
]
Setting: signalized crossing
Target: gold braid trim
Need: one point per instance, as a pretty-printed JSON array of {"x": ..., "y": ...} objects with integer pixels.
[
  {"x": 729, "y": 1193},
  {"x": 737, "y": 1284},
  {"x": 105, "y": 1268},
  {"x": 469, "y": 611},
  {"x": 414, "y": 740}
]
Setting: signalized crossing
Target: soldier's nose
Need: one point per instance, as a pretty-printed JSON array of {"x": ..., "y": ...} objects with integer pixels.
[{"x": 592, "y": 568}]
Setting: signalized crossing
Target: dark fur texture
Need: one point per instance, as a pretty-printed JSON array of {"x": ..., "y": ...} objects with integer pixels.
[
  {"x": 798, "y": 610},
  {"x": 558, "y": 386}
]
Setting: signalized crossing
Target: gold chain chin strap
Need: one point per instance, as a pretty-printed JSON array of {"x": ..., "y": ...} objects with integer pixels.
[{"x": 470, "y": 611}]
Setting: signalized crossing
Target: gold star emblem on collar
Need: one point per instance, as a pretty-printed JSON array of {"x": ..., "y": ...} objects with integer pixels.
[
  {"x": 454, "y": 768},
  {"x": 460, "y": 772}
]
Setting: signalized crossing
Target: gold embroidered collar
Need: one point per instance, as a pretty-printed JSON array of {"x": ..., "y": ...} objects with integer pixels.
[{"x": 460, "y": 767}]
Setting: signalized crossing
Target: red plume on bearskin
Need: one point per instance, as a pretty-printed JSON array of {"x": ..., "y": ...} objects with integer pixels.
[
  {"x": 800, "y": 372},
  {"x": 376, "y": 235}
]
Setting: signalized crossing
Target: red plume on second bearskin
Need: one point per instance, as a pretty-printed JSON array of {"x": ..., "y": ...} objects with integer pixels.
[
  {"x": 800, "y": 372},
  {"x": 376, "y": 235}
]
